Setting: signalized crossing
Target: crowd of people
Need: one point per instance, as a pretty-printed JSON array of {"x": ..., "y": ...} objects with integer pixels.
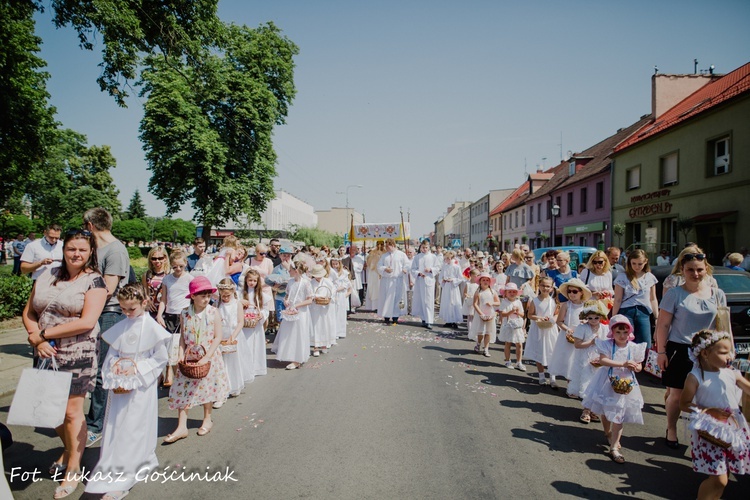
[{"x": 198, "y": 324}]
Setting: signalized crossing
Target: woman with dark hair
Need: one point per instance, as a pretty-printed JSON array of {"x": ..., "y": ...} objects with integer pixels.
[{"x": 61, "y": 319}]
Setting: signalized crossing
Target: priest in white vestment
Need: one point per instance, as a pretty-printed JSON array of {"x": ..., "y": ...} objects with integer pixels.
[
  {"x": 392, "y": 267},
  {"x": 426, "y": 266}
]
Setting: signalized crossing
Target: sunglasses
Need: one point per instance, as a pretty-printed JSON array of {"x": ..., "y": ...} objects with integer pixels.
[
  {"x": 158, "y": 258},
  {"x": 599, "y": 262},
  {"x": 262, "y": 253},
  {"x": 82, "y": 232},
  {"x": 529, "y": 258},
  {"x": 573, "y": 291},
  {"x": 693, "y": 256}
]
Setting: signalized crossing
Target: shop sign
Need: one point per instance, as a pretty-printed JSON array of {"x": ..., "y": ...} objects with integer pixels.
[
  {"x": 650, "y": 196},
  {"x": 663, "y": 207},
  {"x": 584, "y": 228}
]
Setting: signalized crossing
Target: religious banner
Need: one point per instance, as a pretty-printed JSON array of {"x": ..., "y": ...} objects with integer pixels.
[{"x": 379, "y": 231}]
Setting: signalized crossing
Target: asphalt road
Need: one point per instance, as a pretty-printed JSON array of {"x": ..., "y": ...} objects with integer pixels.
[{"x": 399, "y": 412}]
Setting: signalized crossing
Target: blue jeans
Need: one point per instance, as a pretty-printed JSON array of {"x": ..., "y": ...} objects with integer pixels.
[
  {"x": 279, "y": 303},
  {"x": 95, "y": 417},
  {"x": 641, "y": 320}
]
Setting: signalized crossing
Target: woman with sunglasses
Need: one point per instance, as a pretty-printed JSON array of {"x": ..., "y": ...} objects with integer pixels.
[
  {"x": 64, "y": 307},
  {"x": 684, "y": 310},
  {"x": 635, "y": 295},
  {"x": 158, "y": 266},
  {"x": 677, "y": 279},
  {"x": 598, "y": 278},
  {"x": 264, "y": 265}
]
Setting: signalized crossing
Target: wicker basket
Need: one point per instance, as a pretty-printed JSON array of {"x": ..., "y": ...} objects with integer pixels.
[
  {"x": 721, "y": 416},
  {"x": 544, "y": 324},
  {"x": 120, "y": 390},
  {"x": 251, "y": 320},
  {"x": 570, "y": 338},
  {"x": 289, "y": 315},
  {"x": 192, "y": 370},
  {"x": 322, "y": 300},
  {"x": 622, "y": 385},
  {"x": 228, "y": 346}
]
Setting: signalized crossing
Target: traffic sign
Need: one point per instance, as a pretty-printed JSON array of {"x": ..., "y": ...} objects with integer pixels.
[
  {"x": 456, "y": 243},
  {"x": 346, "y": 239}
]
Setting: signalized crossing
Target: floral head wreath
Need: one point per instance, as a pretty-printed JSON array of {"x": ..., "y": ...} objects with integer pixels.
[
  {"x": 226, "y": 286},
  {"x": 695, "y": 351}
]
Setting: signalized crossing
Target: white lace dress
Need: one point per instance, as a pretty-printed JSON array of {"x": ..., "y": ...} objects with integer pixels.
[
  {"x": 541, "y": 340},
  {"x": 599, "y": 396}
]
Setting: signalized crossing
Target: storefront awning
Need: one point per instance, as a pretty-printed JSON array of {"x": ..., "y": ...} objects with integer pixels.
[{"x": 715, "y": 216}]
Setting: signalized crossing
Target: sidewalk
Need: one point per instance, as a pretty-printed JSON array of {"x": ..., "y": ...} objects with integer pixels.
[{"x": 15, "y": 355}]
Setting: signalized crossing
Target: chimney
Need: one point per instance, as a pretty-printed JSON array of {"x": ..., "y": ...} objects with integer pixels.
[{"x": 668, "y": 90}]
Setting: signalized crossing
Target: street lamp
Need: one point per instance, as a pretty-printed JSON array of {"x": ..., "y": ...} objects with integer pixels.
[{"x": 555, "y": 213}]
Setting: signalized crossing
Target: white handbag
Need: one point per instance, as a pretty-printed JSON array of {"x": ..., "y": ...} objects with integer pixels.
[{"x": 41, "y": 397}]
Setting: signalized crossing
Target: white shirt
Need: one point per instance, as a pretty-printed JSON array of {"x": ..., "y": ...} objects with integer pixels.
[{"x": 41, "y": 249}]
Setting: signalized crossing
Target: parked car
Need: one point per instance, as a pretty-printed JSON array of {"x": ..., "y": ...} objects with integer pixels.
[
  {"x": 736, "y": 286},
  {"x": 578, "y": 255}
]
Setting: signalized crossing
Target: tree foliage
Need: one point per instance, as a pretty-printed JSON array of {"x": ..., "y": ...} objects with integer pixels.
[
  {"x": 130, "y": 31},
  {"x": 27, "y": 119},
  {"x": 315, "y": 236},
  {"x": 136, "y": 209},
  {"x": 164, "y": 229},
  {"x": 207, "y": 124},
  {"x": 131, "y": 230},
  {"x": 73, "y": 178}
]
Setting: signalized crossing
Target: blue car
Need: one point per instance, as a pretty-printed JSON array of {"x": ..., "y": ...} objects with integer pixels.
[{"x": 578, "y": 255}]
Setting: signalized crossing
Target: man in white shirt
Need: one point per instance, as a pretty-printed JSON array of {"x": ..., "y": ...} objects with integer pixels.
[
  {"x": 613, "y": 254},
  {"x": 43, "y": 253},
  {"x": 663, "y": 258}
]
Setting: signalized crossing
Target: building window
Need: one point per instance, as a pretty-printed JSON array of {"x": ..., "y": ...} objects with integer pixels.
[
  {"x": 719, "y": 156},
  {"x": 599, "y": 195},
  {"x": 570, "y": 203},
  {"x": 548, "y": 210},
  {"x": 539, "y": 212},
  {"x": 634, "y": 178},
  {"x": 523, "y": 216},
  {"x": 571, "y": 168},
  {"x": 668, "y": 169},
  {"x": 531, "y": 214},
  {"x": 584, "y": 200},
  {"x": 516, "y": 218}
]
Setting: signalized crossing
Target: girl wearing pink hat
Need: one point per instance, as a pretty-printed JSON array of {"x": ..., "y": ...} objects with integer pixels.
[
  {"x": 200, "y": 325},
  {"x": 483, "y": 327},
  {"x": 613, "y": 392}
]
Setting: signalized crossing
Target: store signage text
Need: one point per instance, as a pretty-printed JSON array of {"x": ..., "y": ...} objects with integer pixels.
[{"x": 663, "y": 207}]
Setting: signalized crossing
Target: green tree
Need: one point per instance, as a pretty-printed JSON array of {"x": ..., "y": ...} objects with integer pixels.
[
  {"x": 130, "y": 31},
  {"x": 131, "y": 230},
  {"x": 74, "y": 177},
  {"x": 164, "y": 229},
  {"x": 207, "y": 125},
  {"x": 27, "y": 119},
  {"x": 136, "y": 209},
  {"x": 316, "y": 237}
]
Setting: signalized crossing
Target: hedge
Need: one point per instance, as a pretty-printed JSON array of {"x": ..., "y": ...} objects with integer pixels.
[{"x": 14, "y": 292}]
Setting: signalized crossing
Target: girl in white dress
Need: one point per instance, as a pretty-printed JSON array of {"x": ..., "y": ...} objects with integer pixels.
[
  {"x": 586, "y": 334},
  {"x": 484, "y": 326},
  {"x": 254, "y": 362},
  {"x": 322, "y": 315},
  {"x": 614, "y": 392},
  {"x": 543, "y": 330},
  {"x": 293, "y": 340},
  {"x": 232, "y": 314},
  {"x": 468, "y": 307},
  {"x": 512, "y": 331},
  {"x": 568, "y": 318},
  {"x": 712, "y": 384},
  {"x": 344, "y": 288},
  {"x": 450, "y": 296},
  {"x": 136, "y": 356}
]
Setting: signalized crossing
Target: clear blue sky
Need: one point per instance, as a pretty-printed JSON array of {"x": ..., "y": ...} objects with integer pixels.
[{"x": 429, "y": 102}]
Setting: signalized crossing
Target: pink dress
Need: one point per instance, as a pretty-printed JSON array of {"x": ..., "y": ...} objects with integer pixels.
[{"x": 187, "y": 392}]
